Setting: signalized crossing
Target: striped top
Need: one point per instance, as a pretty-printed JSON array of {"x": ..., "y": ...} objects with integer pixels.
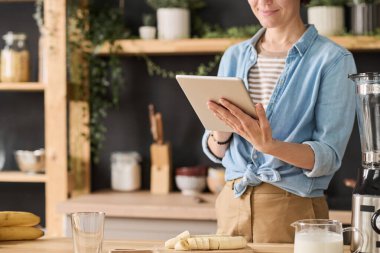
[{"x": 264, "y": 74}]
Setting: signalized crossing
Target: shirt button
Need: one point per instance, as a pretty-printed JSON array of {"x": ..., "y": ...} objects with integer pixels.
[{"x": 255, "y": 157}]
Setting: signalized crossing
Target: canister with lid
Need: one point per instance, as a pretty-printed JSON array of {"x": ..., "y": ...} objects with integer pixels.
[
  {"x": 15, "y": 58},
  {"x": 125, "y": 171}
]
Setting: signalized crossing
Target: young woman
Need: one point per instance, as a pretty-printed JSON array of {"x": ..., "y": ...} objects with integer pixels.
[{"x": 278, "y": 166}]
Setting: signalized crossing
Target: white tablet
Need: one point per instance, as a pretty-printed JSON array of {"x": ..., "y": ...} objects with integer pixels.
[{"x": 200, "y": 89}]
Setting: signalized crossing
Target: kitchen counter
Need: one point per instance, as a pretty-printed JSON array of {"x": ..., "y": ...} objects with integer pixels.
[
  {"x": 143, "y": 204},
  {"x": 65, "y": 246},
  {"x": 136, "y": 215}
]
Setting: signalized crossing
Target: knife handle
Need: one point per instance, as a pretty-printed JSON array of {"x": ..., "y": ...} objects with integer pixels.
[
  {"x": 160, "y": 130},
  {"x": 153, "y": 123}
]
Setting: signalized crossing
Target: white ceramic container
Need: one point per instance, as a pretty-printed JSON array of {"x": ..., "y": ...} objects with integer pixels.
[
  {"x": 173, "y": 23},
  {"x": 329, "y": 20},
  {"x": 125, "y": 171},
  {"x": 147, "y": 32}
]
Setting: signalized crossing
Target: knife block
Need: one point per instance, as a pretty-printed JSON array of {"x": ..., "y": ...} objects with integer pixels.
[{"x": 161, "y": 168}]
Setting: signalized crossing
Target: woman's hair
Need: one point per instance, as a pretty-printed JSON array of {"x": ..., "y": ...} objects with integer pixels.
[{"x": 305, "y": 1}]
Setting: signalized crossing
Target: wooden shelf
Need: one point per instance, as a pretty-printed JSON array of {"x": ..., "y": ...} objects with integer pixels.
[
  {"x": 16, "y": 1},
  {"x": 358, "y": 43},
  {"x": 21, "y": 177},
  {"x": 212, "y": 46},
  {"x": 25, "y": 87},
  {"x": 170, "y": 47}
]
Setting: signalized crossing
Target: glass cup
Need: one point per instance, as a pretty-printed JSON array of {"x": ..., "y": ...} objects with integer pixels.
[
  {"x": 321, "y": 236},
  {"x": 88, "y": 229}
]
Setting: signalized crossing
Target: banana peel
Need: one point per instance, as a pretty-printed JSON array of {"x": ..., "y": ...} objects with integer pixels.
[
  {"x": 17, "y": 219},
  {"x": 20, "y": 233}
]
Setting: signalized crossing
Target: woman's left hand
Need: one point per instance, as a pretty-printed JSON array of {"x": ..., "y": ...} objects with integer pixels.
[{"x": 257, "y": 132}]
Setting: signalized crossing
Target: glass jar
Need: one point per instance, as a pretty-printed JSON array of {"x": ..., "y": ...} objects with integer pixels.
[
  {"x": 125, "y": 171},
  {"x": 15, "y": 58}
]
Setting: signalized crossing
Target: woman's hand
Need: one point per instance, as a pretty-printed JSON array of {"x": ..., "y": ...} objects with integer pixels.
[{"x": 257, "y": 132}]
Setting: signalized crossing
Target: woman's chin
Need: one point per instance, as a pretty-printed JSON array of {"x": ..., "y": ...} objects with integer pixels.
[{"x": 269, "y": 25}]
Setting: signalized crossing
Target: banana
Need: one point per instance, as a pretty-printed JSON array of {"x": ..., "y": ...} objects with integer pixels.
[
  {"x": 8, "y": 219},
  {"x": 19, "y": 233},
  {"x": 212, "y": 243},
  {"x": 185, "y": 241},
  {"x": 169, "y": 244}
]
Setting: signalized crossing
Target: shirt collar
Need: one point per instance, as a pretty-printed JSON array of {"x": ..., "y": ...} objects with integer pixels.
[
  {"x": 300, "y": 46},
  {"x": 306, "y": 39}
]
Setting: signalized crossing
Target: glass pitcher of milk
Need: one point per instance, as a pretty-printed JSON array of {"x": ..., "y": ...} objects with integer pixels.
[{"x": 321, "y": 236}]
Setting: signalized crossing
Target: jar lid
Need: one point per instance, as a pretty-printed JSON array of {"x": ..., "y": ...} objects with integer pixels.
[
  {"x": 126, "y": 156},
  {"x": 9, "y": 37},
  {"x": 365, "y": 77}
]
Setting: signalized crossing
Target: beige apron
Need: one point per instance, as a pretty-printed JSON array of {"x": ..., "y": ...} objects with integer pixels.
[{"x": 263, "y": 214}]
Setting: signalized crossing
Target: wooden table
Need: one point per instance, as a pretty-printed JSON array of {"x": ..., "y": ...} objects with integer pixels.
[{"x": 64, "y": 245}]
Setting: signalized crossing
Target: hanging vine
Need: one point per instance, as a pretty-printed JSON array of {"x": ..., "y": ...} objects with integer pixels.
[
  {"x": 203, "y": 69},
  {"x": 38, "y": 15},
  {"x": 98, "y": 25}
]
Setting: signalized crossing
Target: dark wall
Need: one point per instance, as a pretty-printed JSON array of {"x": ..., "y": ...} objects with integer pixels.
[{"x": 21, "y": 115}]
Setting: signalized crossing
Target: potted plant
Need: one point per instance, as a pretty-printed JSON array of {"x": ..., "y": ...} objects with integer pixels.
[
  {"x": 173, "y": 17},
  {"x": 148, "y": 31},
  {"x": 365, "y": 16},
  {"x": 327, "y": 16}
]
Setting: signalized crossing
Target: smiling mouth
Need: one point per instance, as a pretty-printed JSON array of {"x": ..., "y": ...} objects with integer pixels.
[{"x": 268, "y": 13}]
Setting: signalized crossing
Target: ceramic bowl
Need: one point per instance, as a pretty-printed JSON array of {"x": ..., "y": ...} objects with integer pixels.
[
  {"x": 215, "y": 179},
  {"x": 195, "y": 171},
  {"x": 31, "y": 161},
  {"x": 190, "y": 185}
]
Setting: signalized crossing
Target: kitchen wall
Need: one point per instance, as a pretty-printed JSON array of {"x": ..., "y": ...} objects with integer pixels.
[{"x": 21, "y": 115}]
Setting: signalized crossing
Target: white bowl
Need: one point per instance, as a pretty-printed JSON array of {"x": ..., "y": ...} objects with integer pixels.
[
  {"x": 31, "y": 161},
  {"x": 190, "y": 185}
]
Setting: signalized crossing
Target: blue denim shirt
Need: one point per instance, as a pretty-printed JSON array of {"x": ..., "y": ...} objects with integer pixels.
[{"x": 313, "y": 103}]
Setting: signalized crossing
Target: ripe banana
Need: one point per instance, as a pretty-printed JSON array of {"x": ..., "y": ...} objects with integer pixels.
[
  {"x": 8, "y": 219},
  {"x": 185, "y": 241},
  {"x": 169, "y": 244},
  {"x": 19, "y": 233}
]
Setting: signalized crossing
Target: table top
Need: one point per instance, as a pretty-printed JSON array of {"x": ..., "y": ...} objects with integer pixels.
[
  {"x": 143, "y": 204},
  {"x": 64, "y": 245}
]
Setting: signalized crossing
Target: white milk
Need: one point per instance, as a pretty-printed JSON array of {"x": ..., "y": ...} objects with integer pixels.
[{"x": 318, "y": 242}]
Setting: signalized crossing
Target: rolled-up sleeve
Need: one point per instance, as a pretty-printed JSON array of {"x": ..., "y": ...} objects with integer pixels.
[{"x": 334, "y": 117}]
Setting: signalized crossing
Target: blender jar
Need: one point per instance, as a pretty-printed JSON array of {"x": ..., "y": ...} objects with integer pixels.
[{"x": 368, "y": 114}]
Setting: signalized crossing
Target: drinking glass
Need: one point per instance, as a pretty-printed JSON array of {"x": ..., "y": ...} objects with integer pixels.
[{"x": 88, "y": 229}]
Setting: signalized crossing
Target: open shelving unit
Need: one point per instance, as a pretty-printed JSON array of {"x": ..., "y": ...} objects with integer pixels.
[{"x": 54, "y": 87}]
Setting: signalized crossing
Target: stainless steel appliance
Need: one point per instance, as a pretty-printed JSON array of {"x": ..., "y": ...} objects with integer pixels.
[{"x": 366, "y": 197}]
